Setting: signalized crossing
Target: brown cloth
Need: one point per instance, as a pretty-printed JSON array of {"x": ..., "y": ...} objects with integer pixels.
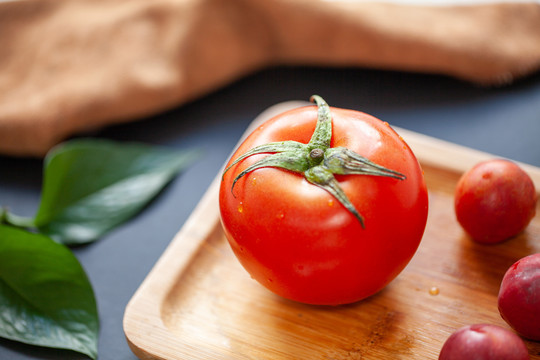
[{"x": 68, "y": 66}]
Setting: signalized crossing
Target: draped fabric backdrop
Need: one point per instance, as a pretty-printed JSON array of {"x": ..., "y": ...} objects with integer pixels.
[{"x": 68, "y": 66}]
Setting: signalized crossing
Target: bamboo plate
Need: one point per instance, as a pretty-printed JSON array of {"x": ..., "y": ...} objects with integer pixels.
[{"x": 199, "y": 303}]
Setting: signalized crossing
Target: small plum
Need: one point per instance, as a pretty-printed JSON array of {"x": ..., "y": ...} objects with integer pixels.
[
  {"x": 494, "y": 201},
  {"x": 519, "y": 297},
  {"x": 484, "y": 342}
]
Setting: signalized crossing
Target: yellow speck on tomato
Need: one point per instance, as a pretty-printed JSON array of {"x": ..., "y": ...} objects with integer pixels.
[
  {"x": 241, "y": 208},
  {"x": 330, "y": 202}
]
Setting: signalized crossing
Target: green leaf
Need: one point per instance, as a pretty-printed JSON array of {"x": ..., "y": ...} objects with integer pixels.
[
  {"x": 45, "y": 296},
  {"x": 91, "y": 186}
]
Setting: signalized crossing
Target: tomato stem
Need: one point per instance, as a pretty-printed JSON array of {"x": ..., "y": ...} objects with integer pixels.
[
  {"x": 323, "y": 131},
  {"x": 316, "y": 160},
  {"x": 316, "y": 154}
]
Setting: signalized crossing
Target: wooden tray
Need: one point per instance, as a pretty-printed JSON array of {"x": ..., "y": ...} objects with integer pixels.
[{"x": 199, "y": 303}]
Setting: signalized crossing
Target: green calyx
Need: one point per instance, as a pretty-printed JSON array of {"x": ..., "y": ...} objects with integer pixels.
[{"x": 317, "y": 160}]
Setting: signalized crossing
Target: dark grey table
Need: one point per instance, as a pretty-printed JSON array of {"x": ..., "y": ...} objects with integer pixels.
[{"x": 503, "y": 121}]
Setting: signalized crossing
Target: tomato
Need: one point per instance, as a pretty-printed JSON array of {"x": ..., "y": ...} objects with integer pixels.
[
  {"x": 495, "y": 200},
  {"x": 296, "y": 237},
  {"x": 484, "y": 342},
  {"x": 519, "y": 297}
]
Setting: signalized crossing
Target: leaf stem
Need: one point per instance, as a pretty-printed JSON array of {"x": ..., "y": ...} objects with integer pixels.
[{"x": 8, "y": 218}]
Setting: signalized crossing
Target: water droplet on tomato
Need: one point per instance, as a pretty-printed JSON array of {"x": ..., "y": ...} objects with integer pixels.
[
  {"x": 254, "y": 180},
  {"x": 434, "y": 291},
  {"x": 331, "y": 202},
  {"x": 240, "y": 208}
]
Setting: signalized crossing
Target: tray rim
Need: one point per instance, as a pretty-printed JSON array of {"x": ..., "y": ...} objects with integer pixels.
[{"x": 143, "y": 312}]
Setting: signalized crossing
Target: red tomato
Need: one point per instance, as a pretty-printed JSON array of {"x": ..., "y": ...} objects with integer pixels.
[
  {"x": 494, "y": 201},
  {"x": 484, "y": 342},
  {"x": 298, "y": 240},
  {"x": 519, "y": 297}
]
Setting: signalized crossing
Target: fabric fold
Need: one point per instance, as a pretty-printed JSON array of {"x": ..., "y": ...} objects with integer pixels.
[{"x": 69, "y": 66}]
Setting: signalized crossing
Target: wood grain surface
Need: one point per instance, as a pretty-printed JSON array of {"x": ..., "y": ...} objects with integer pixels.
[{"x": 199, "y": 303}]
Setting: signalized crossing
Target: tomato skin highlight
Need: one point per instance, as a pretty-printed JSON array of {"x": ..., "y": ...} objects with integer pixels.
[
  {"x": 297, "y": 240},
  {"x": 494, "y": 201}
]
